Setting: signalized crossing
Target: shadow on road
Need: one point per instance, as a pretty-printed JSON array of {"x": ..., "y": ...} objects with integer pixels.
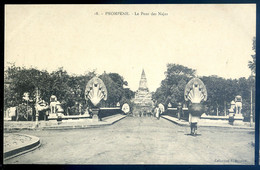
[{"x": 193, "y": 135}]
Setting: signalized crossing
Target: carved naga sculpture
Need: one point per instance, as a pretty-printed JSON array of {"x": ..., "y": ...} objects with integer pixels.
[
  {"x": 95, "y": 91},
  {"x": 195, "y": 91}
]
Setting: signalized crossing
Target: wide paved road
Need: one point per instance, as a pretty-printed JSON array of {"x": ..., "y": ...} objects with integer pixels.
[{"x": 141, "y": 141}]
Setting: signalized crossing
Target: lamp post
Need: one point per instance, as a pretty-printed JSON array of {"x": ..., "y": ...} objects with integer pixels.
[
  {"x": 251, "y": 108},
  {"x": 179, "y": 107},
  {"x": 36, "y": 100},
  {"x": 26, "y": 98},
  {"x": 251, "y": 100},
  {"x": 36, "y": 107},
  {"x": 225, "y": 108}
]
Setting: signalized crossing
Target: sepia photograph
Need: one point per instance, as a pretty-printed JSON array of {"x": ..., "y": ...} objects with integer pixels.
[{"x": 129, "y": 84}]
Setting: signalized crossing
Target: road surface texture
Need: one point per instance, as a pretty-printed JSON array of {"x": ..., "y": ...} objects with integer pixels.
[{"x": 144, "y": 140}]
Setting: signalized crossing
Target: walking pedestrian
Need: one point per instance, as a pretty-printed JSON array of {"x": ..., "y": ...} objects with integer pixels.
[
  {"x": 193, "y": 120},
  {"x": 157, "y": 112}
]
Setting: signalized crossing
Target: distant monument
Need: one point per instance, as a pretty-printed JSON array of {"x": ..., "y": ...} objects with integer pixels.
[
  {"x": 95, "y": 91},
  {"x": 143, "y": 98}
]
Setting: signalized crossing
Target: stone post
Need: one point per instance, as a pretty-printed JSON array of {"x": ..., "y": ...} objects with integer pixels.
[
  {"x": 36, "y": 107},
  {"x": 251, "y": 108},
  {"x": 95, "y": 115},
  {"x": 179, "y": 107}
]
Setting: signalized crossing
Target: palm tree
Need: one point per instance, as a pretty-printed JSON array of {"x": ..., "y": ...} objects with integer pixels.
[{"x": 252, "y": 64}]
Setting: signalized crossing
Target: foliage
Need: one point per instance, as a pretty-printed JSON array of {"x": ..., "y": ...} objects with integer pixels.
[
  {"x": 220, "y": 91},
  {"x": 24, "y": 80},
  {"x": 252, "y": 64},
  {"x": 172, "y": 87},
  {"x": 115, "y": 89},
  {"x": 24, "y": 112},
  {"x": 69, "y": 90}
]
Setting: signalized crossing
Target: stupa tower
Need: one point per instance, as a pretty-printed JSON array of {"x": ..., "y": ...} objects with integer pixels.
[
  {"x": 143, "y": 82},
  {"x": 143, "y": 98}
]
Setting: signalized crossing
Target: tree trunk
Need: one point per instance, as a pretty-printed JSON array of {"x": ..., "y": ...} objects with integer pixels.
[{"x": 225, "y": 108}]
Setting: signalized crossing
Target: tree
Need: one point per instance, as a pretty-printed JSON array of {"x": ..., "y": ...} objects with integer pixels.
[
  {"x": 172, "y": 87},
  {"x": 220, "y": 92},
  {"x": 252, "y": 64},
  {"x": 117, "y": 79},
  {"x": 11, "y": 97},
  {"x": 77, "y": 85},
  {"x": 25, "y": 80},
  {"x": 70, "y": 90},
  {"x": 59, "y": 87}
]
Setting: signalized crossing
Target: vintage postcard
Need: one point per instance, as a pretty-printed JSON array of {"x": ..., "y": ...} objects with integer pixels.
[{"x": 130, "y": 84}]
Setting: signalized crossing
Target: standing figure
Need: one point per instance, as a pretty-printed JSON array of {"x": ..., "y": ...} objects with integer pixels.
[
  {"x": 144, "y": 113},
  {"x": 161, "y": 108},
  {"x": 193, "y": 124},
  {"x": 157, "y": 112},
  {"x": 154, "y": 112}
]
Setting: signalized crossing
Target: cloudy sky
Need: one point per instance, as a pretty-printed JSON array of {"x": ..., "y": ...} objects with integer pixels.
[{"x": 213, "y": 39}]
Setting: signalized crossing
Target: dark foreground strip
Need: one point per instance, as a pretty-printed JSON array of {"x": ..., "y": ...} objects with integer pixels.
[{"x": 22, "y": 150}]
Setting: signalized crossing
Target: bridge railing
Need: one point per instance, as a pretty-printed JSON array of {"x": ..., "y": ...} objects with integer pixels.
[
  {"x": 109, "y": 111},
  {"x": 103, "y": 112},
  {"x": 184, "y": 114}
]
